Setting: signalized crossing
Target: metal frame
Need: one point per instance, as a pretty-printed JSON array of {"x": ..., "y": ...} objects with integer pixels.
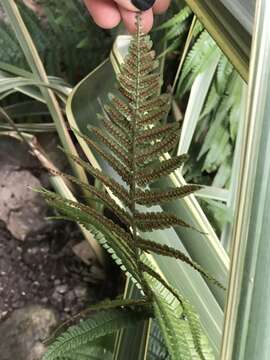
[{"x": 228, "y": 32}]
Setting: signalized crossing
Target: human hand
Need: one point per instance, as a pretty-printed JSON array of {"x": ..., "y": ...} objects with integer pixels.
[{"x": 108, "y": 13}]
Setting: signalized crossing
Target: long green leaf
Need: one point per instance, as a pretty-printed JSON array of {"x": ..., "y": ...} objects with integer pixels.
[{"x": 40, "y": 75}]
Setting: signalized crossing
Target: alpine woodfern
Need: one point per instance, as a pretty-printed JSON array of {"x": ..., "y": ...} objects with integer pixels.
[{"x": 131, "y": 141}]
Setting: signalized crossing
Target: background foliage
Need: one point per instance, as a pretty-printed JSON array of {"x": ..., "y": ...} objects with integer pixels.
[{"x": 69, "y": 43}]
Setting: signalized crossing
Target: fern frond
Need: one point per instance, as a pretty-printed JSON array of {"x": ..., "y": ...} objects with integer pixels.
[
  {"x": 171, "y": 324},
  {"x": 166, "y": 250},
  {"x": 152, "y": 105},
  {"x": 153, "y": 117},
  {"x": 156, "y": 133},
  {"x": 163, "y": 168},
  {"x": 131, "y": 144},
  {"x": 224, "y": 71},
  {"x": 116, "y": 132},
  {"x": 177, "y": 19},
  {"x": 148, "y": 86},
  {"x": 117, "y": 189},
  {"x": 116, "y": 115},
  {"x": 153, "y": 221},
  {"x": 94, "y": 217},
  {"x": 169, "y": 313},
  {"x": 104, "y": 305},
  {"x": 116, "y": 303},
  {"x": 219, "y": 86},
  {"x": 121, "y": 107},
  {"x": 118, "y": 166},
  {"x": 103, "y": 196},
  {"x": 110, "y": 244},
  {"x": 157, "y": 149},
  {"x": 192, "y": 348},
  {"x": 204, "y": 49},
  {"x": 87, "y": 331},
  {"x": 154, "y": 197},
  {"x": 114, "y": 147},
  {"x": 88, "y": 352},
  {"x": 120, "y": 240}
]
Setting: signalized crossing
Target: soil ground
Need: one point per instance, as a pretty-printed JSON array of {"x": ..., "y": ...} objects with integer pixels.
[{"x": 48, "y": 272}]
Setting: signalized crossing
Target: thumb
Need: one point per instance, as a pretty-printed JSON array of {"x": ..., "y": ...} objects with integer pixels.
[{"x": 136, "y": 5}]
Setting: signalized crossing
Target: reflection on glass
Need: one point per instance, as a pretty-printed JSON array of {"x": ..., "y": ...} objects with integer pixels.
[{"x": 243, "y": 10}]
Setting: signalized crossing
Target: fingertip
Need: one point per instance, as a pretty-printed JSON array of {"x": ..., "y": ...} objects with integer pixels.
[
  {"x": 129, "y": 19},
  {"x": 104, "y": 13},
  {"x": 107, "y": 23},
  {"x": 161, "y": 6}
]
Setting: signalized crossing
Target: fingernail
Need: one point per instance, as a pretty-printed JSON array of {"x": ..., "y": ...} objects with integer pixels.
[{"x": 143, "y": 4}]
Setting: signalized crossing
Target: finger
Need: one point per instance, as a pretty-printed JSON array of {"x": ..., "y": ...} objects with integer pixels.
[
  {"x": 161, "y": 6},
  {"x": 126, "y": 4},
  {"x": 129, "y": 18},
  {"x": 135, "y": 5},
  {"x": 105, "y": 13}
]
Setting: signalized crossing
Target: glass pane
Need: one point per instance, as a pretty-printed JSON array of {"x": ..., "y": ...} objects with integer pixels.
[{"x": 243, "y": 10}]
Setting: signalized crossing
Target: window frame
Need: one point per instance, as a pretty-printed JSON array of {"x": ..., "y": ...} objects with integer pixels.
[{"x": 227, "y": 31}]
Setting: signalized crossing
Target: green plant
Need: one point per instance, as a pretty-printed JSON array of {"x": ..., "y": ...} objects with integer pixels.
[
  {"x": 68, "y": 42},
  {"x": 211, "y": 153},
  {"x": 216, "y": 131},
  {"x": 132, "y": 140},
  {"x": 37, "y": 85}
]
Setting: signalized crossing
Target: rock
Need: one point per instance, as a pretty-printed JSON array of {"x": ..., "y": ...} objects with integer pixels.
[
  {"x": 21, "y": 209},
  {"x": 16, "y": 155},
  {"x": 98, "y": 273},
  {"x": 84, "y": 251},
  {"x": 23, "y": 332},
  {"x": 61, "y": 289},
  {"x": 81, "y": 291}
]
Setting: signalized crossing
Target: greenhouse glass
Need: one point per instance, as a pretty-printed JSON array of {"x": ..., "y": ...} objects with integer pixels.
[{"x": 243, "y": 10}]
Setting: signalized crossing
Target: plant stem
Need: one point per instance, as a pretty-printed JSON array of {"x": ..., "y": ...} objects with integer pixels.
[{"x": 145, "y": 286}]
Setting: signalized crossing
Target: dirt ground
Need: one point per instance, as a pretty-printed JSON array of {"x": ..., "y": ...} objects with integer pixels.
[{"x": 48, "y": 272}]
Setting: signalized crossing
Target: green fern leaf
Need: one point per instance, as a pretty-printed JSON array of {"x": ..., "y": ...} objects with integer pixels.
[
  {"x": 105, "y": 305},
  {"x": 88, "y": 352},
  {"x": 201, "y": 53},
  {"x": 173, "y": 330},
  {"x": 177, "y": 19},
  {"x": 118, "y": 239},
  {"x": 178, "y": 25},
  {"x": 117, "y": 254},
  {"x": 104, "y": 197},
  {"x": 118, "y": 190},
  {"x": 87, "y": 331},
  {"x": 170, "y": 310},
  {"x": 224, "y": 71}
]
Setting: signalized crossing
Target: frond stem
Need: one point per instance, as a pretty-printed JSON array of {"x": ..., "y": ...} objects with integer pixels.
[{"x": 137, "y": 250}]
